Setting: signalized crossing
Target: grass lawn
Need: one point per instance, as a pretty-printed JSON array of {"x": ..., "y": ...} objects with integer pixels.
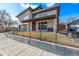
[{"x": 50, "y": 36}]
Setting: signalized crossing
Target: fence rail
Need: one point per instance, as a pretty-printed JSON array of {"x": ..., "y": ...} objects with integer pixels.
[{"x": 49, "y": 36}]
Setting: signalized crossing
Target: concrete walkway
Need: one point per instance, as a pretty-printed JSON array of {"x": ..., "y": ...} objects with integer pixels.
[
  {"x": 10, "y": 47},
  {"x": 13, "y": 47}
]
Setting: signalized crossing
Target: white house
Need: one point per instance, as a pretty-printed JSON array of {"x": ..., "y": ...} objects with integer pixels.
[{"x": 39, "y": 19}]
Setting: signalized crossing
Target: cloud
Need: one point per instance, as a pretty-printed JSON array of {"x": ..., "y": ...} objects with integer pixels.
[
  {"x": 14, "y": 18},
  {"x": 49, "y": 4},
  {"x": 28, "y": 5},
  {"x": 12, "y": 11},
  {"x": 75, "y": 3}
]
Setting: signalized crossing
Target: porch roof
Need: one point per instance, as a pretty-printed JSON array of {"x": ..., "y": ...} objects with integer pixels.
[{"x": 39, "y": 19}]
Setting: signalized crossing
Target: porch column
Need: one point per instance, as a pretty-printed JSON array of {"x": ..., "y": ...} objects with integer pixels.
[
  {"x": 36, "y": 26},
  {"x": 55, "y": 25},
  {"x": 18, "y": 27},
  {"x": 30, "y": 24}
]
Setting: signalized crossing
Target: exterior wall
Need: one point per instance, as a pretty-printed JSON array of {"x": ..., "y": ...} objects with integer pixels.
[
  {"x": 26, "y": 15},
  {"x": 46, "y": 13},
  {"x": 50, "y": 24},
  {"x": 52, "y": 12}
]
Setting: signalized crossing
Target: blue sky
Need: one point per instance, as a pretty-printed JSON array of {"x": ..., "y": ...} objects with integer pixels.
[
  {"x": 66, "y": 9},
  {"x": 14, "y": 8}
]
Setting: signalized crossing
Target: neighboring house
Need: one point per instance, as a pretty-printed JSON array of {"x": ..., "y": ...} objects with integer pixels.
[
  {"x": 74, "y": 25},
  {"x": 62, "y": 26},
  {"x": 14, "y": 25},
  {"x": 39, "y": 19},
  {"x": 75, "y": 22}
]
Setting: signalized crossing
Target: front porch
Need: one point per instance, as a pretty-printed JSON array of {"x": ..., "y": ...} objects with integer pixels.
[{"x": 46, "y": 24}]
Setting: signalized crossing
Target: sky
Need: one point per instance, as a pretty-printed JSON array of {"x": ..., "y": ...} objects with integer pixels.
[
  {"x": 15, "y": 8},
  {"x": 67, "y": 10}
]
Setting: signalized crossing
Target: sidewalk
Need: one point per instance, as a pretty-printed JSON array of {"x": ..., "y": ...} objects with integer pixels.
[
  {"x": 10, "y": 47},
  {"x": 13, "y": 47}
]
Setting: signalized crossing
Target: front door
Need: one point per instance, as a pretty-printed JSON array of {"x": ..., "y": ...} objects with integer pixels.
[{"x": 33, "y": 26}]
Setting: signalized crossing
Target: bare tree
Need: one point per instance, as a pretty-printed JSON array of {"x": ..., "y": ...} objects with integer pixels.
[
  {"x": 5, "y": 18},
  {"x": 71, "y": 19}
]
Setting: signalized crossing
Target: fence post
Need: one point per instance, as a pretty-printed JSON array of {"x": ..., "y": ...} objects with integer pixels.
[
  {"x": 22, "y": 29},
  {"x": 29, "y": 33},
  {"x": 40, "y": 30}
]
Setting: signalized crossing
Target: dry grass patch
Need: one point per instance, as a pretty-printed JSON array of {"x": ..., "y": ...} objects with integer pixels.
[
  {"x": 50, "y": 36},
  {"x": 26, "y": 34}
]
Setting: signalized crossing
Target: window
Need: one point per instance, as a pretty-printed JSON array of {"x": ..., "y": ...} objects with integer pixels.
[
  {"x": 25, "y": 27},
  {"x": 42, "y": 25},
  {"x": 41, "y": 15},
  {"x": 51, "y": 12},
  {"x": 0, "y": 22},
  {"x": 26, "y": 17},
  {"x": 45, "y": 13}
]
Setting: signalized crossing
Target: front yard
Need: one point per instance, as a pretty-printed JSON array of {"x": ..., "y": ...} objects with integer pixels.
[{"x": 50, "y": 36}]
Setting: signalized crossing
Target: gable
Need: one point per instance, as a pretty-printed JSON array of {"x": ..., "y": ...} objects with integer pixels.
[
  {"x": 38, "y": 8},
  {"x": 28, "y": 9}
]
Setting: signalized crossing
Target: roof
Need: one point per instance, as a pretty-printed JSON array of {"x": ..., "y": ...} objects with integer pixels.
[
  {"x": 46, "y": 9},
  {"x": 29, "y": 8},
  {"x": 75, "y": 21},
  {"x": 24, "y": 11},
  {"x": 34, "y": 10}
]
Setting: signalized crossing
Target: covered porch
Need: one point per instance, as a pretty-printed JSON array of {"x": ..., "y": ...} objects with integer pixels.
[{"x": 44, "y": 24}]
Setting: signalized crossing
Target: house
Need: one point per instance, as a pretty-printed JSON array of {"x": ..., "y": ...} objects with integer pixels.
[
  {"x": 39, "y": 19},
  {"x": 74, "y": 25},
  {"x": 62, "y": 26}
]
